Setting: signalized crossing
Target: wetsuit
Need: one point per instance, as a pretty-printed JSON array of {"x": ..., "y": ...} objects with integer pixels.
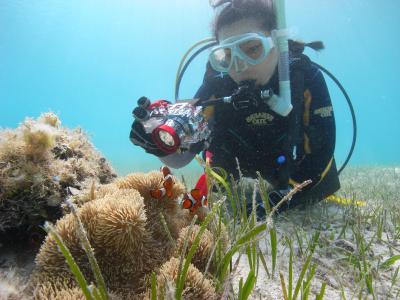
[{"x": 262, "y": 140}]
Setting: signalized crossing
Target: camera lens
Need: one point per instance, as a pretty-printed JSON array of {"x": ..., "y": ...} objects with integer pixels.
[{"x": 166, "y": 138}]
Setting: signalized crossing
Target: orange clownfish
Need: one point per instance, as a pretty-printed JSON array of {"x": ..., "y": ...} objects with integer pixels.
[
  {"x": 194, "y": 200},
  {"x": 166, "y": 189}
]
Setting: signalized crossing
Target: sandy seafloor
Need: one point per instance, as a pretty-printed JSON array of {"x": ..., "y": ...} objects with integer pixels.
[{"x": 377, "y": 186}]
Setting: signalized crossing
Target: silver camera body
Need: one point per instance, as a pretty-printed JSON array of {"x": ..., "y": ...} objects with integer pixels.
[{"x": 182, "y": 122}]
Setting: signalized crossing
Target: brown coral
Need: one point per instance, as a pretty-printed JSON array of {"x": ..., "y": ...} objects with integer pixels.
[
  {"x": 38, "y": 160},
  {"x": 51, "y": 119}
]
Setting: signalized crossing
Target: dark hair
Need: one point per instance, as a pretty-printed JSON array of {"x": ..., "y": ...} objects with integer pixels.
[{"x": 235, "y": 10}]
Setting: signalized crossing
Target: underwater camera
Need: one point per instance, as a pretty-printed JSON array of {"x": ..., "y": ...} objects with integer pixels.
[
  {"x": 181, "y": 126},
  {"x": 173, "y": 127}
]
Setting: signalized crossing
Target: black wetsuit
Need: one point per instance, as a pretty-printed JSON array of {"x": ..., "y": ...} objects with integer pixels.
[{"x": 258, "y": 137}]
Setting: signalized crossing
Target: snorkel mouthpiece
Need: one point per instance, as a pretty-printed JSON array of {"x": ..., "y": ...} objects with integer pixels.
[{"x": 281, "y": 104}]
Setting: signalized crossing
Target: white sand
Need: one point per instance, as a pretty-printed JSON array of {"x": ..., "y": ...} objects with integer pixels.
[{"x": 379, "y": 187}]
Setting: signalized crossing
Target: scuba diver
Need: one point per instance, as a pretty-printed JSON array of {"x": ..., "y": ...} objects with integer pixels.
[{"x": 278, "y": 120}]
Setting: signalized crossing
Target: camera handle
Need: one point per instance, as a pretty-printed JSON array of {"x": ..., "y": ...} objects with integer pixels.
[{"x": 242, "y": 98}]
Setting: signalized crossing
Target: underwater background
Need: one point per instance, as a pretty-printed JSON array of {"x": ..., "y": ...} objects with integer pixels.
[{"x": 89, "y": 61}]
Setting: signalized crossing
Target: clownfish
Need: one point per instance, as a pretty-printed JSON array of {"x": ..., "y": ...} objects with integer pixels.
[
  {"x": 166, "y": 189},
  {"x": 194, "y": 200}
]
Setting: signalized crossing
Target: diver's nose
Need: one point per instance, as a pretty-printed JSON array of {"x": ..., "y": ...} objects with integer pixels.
[{"x": 240, "y": 65}]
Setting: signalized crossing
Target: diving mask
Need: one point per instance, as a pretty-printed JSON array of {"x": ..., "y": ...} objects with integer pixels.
[{"x": 252, "y": 48}]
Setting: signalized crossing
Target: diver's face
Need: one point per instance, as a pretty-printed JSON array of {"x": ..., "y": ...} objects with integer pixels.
[{"x": 261, "y": 72}]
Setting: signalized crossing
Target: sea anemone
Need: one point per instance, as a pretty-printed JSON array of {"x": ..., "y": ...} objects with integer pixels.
[
  {"x": 119, "y": 232},
  {"x": 206, "y": 252},
  {"x": 203, "y": 252},
  {"x": 196, "y": 286},
  {"x": 166, "y": 207},
  {"x": 62, "y": 290}
]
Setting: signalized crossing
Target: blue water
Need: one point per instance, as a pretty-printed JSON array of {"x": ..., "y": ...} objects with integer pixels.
[{"x": 90, "y": 60}]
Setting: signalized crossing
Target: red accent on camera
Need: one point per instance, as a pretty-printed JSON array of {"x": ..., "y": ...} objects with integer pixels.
[
  {"x": 158, "y": 103},
  {"x": 161, "y": 144}
]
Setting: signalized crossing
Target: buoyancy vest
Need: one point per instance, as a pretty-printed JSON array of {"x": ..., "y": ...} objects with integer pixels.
[{"x": 259, "y": 135}]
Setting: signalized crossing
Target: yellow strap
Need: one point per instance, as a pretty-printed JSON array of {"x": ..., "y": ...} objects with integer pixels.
[
  {"x": 293, "y": 182},
  {"x": 327, "y": 168},
  {"x": 208, "y": 111},
  {"x": 307, "y": 148},
  {"x": 307, "y": 104},
  {"x": 345, "y": 201}
]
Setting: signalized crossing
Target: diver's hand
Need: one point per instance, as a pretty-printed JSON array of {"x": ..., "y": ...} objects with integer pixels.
[
  {"x": 246, "y": 96},
  {"x": 140, "y": 138},
  {"x": 138, "y": 135}
]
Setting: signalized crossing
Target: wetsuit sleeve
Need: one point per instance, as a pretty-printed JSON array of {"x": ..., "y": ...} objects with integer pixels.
[{"x": 319, "y": 130}]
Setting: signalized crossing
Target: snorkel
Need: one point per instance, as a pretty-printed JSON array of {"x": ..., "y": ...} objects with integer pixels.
[{"x": 282, "y": 104}]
